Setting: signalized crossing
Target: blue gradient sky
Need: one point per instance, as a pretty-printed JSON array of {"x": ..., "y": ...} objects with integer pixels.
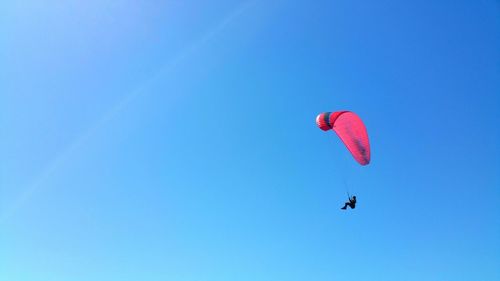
[{"x": 175, "y": 140}]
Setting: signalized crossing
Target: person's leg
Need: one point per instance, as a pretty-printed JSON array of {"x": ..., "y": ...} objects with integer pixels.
[{"x": 345, "y": 206}]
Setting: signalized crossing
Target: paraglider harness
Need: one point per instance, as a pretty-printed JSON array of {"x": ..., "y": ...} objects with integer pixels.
[{"x": 351, "y": 203}]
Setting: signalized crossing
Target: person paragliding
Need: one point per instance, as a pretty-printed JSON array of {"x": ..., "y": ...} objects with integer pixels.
[
  {"x": 352, "y": 131},
  {"x": 351, "y": 203}
]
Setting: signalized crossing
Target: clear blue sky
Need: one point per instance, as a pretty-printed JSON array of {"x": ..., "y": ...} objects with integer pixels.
[{"x": 175, "y": 140}]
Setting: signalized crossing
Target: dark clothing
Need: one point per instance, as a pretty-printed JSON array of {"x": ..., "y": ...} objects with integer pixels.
[{"x": 351, "y": 203}]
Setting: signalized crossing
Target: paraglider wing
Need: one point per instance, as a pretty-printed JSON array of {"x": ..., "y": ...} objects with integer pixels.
[{"x": 351, "y": 130}]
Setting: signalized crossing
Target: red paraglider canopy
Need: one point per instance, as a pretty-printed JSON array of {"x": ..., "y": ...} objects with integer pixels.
[{"x": 351, "y": 130}]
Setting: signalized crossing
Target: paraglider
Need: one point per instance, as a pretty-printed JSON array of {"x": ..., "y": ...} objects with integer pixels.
[
  {"x": 351, "y": 203},
  {"x": 352, "y": 131}
]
